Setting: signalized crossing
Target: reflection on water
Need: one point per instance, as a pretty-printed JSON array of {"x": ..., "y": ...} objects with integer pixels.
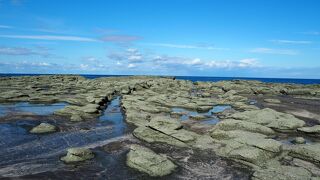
[
  {"x": 113, "y": 116},
  {"x": 15, "y": 133},
  {"x": 38, "y": 109}
]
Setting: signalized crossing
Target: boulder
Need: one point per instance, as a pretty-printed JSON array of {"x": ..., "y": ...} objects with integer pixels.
[
  {"x": 43, "y": 128},
  {"x": 299, "y": 140},
  {"x": 76, "y": 118},
  {"x": 147, "y": 161},
  {"x": 77, "y": 155}
]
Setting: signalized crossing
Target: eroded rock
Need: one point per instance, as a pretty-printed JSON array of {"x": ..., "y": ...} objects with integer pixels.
[
  {"x": 147, "y": 161},
  {"x": 77, "y": 155},
  {"x": 43, "y": 128},
  {"x": 270, "y": 118}
]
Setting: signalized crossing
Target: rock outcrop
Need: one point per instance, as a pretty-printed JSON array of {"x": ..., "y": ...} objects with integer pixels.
[
  {"x": 147, "y": 161},
  {"x": 43, "y": 128},
  {"x": 77, "y": 155}
]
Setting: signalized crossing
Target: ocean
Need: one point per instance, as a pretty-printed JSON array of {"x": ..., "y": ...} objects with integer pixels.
[{"x": 200, "y": 78}]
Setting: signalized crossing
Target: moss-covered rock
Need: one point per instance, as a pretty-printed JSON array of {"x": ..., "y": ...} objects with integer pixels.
[
  {"x": 152, "y": 136},
  {"x": 312, "y": 130},
  {"x": 231, "y": 124},
  {"x": 282, "y": 173},
  {"x": 77, "y": 155},
  {"x": 299, "y": 140},
  {"x": 270, "y": 118},
  {"x": 163, "y": 123},
  {"x": 310, "y": 152},
  {"x": 147, "y": 161},
  {"x": 43, "y": 128}
]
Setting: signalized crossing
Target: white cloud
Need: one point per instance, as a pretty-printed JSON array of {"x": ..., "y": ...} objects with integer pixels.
[
  {"x": 184, "y": 46},
  {"x": 135, "y": 57},
  {"x": 145, "y": 61},
  {"x": 316, "y": 33},
  {"x": 44, "y": 64},
  {"x": 120, "y": 38},
  {"x": 274, "y": 51},
  {"x": 131, "y": 54},
  {"x": 33, "y": 64},
  {"x": 50, "y": 38},
  {"x": 91, "y": 60},
  {"x": 22, "y": 51},
  {"x": 197, "y": 63},
  {"x": 84, "y": 66},
  {"x": 132, "y": 65},
  {"x": 250, "y": 62},
  {"x": 281, "y": 41},
  {"x": 5, "y": 27}
]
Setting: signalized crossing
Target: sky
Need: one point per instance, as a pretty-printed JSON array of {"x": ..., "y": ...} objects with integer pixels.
[{"x": 222, "y": 38}]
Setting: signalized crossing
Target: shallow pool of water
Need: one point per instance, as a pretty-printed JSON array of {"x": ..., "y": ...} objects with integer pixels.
[
  {"x": 26, "y": 107},
  {"x": 211, "y": 118},
  {"x": 289, "y": 139},
  {"x": 113, "y": 115},
  {"x": 211, "y": 121},
  {"x": 25, "y": 153}
]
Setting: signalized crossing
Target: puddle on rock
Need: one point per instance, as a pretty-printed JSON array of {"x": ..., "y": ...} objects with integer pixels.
[
  {"x": 288, "y": 139},
  {"x": 113, "y": 116},
  {"x": 212, "y": 121},
  {"x": 23, "y": 153},
  {"x": 210, "y": 117},
  {"x": 252, "y": 102},
  {"x": 26, "y": 107}
]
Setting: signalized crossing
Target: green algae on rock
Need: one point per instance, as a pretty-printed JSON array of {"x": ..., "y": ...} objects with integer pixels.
[
  {"x": 43, "y": 128},
  {"x": 152, "y": 136},
  {"x": 309, "y": 152},
  {"x": 299, "y": 140},
  {"x": 77, "y": 155},
  {"x": 147, "y": 161},
  {"x": 282, "y": 173},
  {"x": 270, "y": 118},
  {"x": 311, "y": 130}
]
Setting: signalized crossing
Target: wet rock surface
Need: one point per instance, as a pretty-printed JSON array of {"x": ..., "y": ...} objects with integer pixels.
[{"x": 141, "y": 127}]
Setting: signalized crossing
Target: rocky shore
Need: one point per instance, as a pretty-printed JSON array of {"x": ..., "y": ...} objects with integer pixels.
[{"x": 171, "y": 129}]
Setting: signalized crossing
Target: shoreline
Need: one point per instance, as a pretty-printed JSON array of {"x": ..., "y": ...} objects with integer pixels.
[{"x": 304, "y": 81}]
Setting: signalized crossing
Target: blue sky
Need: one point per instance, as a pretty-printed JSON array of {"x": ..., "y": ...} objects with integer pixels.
[{"x": 243, "y": 38}]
